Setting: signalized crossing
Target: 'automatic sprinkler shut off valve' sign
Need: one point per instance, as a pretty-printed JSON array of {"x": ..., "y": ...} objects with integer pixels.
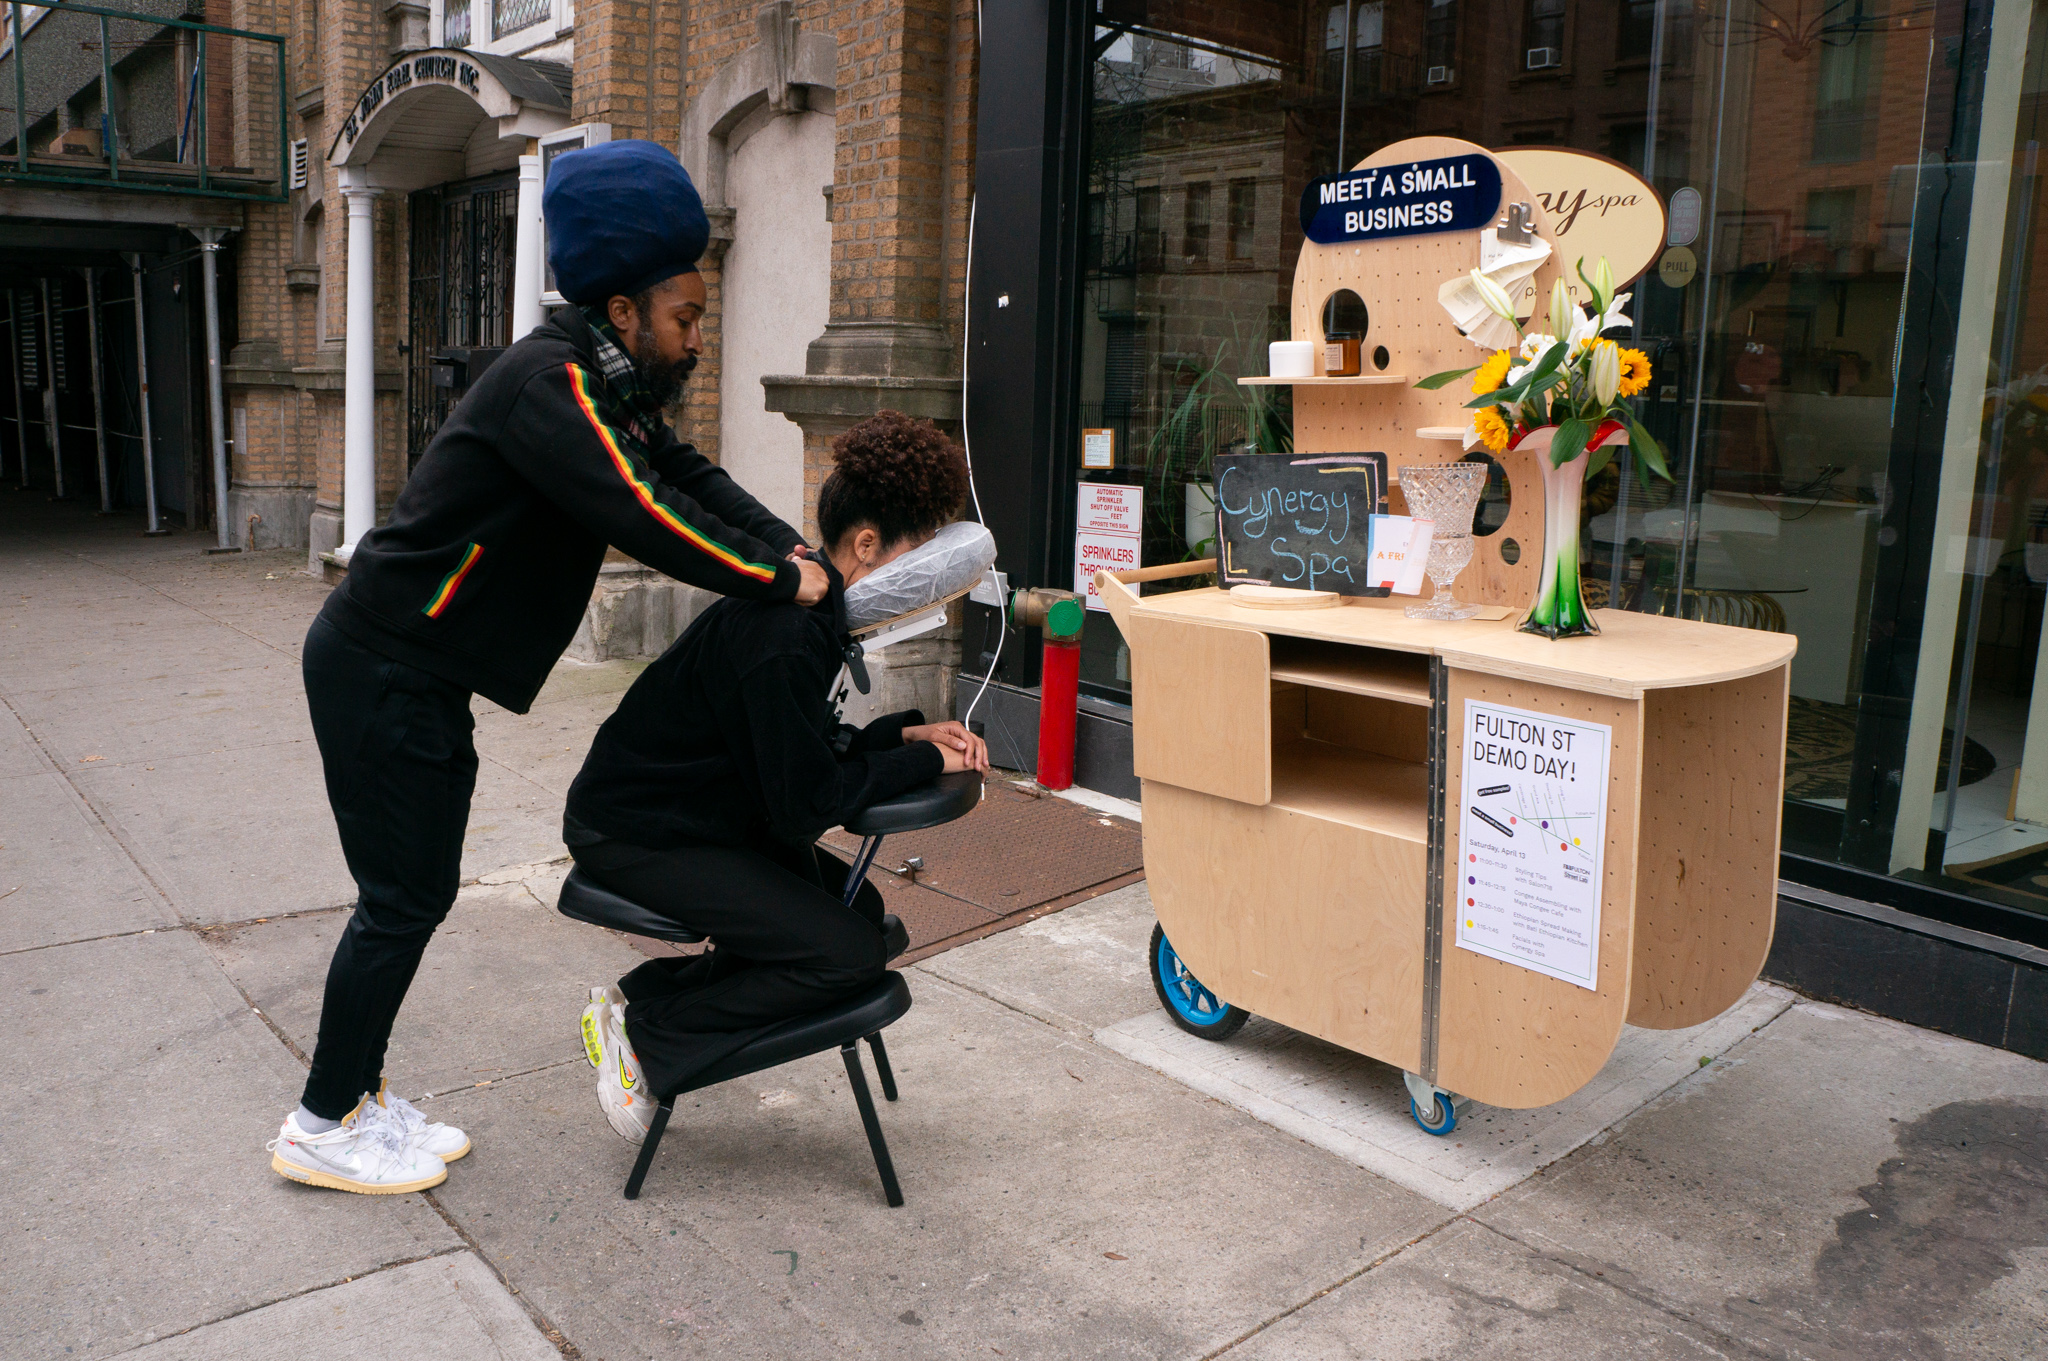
[{"x": 1531, "y": 837}]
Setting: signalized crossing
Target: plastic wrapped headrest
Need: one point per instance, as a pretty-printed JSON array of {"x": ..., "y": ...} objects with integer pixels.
[{"x": 952, "y": 561}]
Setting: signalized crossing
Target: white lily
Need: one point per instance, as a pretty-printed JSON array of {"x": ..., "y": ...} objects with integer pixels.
[
  {"x": 1586, "y": 328},
  {"x": 1603, "y": 279},
  {"x": 1604, "y": 371},
  {"x": 1495, "y": 297},
  {"x": 1533, "y": 347},
  {"x": 1563, "y": 312}
]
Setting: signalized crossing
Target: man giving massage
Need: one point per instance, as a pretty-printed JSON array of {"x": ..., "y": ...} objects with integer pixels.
[
  {"x": 476, "y": 583},
  {"x": 704, "y": 795}
]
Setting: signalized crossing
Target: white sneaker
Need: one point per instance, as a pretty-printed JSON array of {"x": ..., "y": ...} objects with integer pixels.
[
  {"x": 429, "y": 1136},
  {"x": 366, "y": 1153},
  {"x": 621, "y": 1091}
]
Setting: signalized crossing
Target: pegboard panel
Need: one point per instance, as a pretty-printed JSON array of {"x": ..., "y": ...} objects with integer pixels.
[
  {"x": 1713, "y": 798},
  {"x": 1510, "y": 1036},
  {"x": 1398, "y": 279}
]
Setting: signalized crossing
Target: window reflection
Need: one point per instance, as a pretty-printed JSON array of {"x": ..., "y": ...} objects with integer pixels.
[{"x": 1809, "y": 351}]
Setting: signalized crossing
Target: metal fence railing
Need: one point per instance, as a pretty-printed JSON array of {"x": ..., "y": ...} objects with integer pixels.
[{"x": 141, "y": 99}]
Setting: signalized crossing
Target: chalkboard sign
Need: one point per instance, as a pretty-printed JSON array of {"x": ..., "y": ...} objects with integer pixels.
[{"x": 1301, "y": 520}]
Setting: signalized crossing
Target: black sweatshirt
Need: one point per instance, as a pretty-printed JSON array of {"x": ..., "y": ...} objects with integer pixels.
[
  {"x": 484, "y": 569},
  {"x": 729, "y": 736}
]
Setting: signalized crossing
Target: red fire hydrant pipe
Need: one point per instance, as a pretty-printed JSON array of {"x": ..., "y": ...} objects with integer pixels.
[
  {"x": 1059, "y": 702},
  {"x": 1063, "y": 616}
]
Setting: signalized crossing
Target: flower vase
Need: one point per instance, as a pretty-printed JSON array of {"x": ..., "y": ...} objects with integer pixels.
[{"x": 1560, "y": 609}]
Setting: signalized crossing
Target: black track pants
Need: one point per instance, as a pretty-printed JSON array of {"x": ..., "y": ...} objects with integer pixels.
[
  {"x": 397, "y": 748},
  {"x": 784, "y": 945}
]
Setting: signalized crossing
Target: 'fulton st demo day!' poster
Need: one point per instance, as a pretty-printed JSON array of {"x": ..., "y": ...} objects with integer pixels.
[{"x": 1531, "y": 834}]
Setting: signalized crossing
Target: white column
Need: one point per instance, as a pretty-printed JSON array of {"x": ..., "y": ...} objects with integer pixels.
[
  {"x": 527, "y": 246},
  {"x": 209, "y": 249},
  {"x": 1962, "y": 442},
  {"x": 359, "y": 373}
]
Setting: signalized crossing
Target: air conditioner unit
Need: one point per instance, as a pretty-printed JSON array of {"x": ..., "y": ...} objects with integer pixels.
[
  {"x": 1438, "y": 75},
  {"x": 1541, "y": 58},
  {"x": 299, "y": 164}
]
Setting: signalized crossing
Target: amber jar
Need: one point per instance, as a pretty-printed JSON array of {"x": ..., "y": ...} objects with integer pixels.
[{"x": 1340, "y": 355}]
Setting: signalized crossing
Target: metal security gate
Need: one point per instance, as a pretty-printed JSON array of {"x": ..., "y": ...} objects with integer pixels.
[{"x": 460, "y": 294}]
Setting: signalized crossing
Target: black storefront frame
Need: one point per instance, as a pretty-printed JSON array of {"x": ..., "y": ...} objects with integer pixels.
[
  {"x": 1022, "y": 403},
  {"x": 1023, "y": 296}
]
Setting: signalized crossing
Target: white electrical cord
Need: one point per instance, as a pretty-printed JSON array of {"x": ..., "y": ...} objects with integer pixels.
[{"x": 967, "y": 447}]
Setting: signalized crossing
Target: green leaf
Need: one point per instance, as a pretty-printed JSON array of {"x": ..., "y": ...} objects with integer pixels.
[
  {"x": 1569, "y": 441},
  {"x": 1649, "y": 454},
  {"x": 1599, "y": 459},
  {"x": 1437, "y": 380},
  {"x": 1599, "y": 307}
]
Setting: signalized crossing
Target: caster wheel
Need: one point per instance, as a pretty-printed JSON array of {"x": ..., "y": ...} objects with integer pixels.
[
  {"x": 1193, "y": 1007},
  {"x": 1441, "y": 1118}
]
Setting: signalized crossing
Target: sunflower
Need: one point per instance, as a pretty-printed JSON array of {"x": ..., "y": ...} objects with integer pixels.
[
  {"x": 1493, "y": 431},
  {"x": 1489, "y": 375},
  {"x": 1635, "y": 372}
]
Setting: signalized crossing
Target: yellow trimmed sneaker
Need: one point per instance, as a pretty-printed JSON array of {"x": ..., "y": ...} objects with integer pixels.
[
  {"x": 366, "y": 1153},
  {"x": 429, "y": 1136},
  {"x": 621, "y": 1091}
]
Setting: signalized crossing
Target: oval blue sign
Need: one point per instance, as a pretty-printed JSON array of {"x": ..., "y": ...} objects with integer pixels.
[{"x": 1455, "y": 194}]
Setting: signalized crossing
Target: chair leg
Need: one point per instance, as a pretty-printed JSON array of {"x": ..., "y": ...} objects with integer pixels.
[
  {"x": 857, "y": 872},
  {"x": 647, "y": 1147},
  {"x": 850, "y": 1051},
  {"x": 882, "y": 1065}
]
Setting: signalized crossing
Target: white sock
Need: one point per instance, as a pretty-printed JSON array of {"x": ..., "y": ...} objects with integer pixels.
[{"x": 314, "y": 1124}]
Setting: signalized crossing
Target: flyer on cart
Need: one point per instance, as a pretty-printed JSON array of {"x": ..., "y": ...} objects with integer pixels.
[{"x": 1531, "y": 835}]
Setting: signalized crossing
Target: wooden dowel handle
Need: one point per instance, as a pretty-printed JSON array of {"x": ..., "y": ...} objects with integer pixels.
[{"x": 1199, "y": 567}]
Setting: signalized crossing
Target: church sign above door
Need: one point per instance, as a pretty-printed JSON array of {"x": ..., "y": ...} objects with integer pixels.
[
  {"x": 1453, "y": 194},
  {"x": 428, "y": 70}
]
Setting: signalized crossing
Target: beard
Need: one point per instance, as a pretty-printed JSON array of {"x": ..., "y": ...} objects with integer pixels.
[{"x": 665, "y": 380}]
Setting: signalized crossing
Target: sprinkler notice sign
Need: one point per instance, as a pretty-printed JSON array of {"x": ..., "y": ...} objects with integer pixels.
[
  {"x": 1107, "y": 533},
  {"x": 1532, "y": 829}
]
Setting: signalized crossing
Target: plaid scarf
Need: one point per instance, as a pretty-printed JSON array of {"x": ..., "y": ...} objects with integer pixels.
[{"x": 631, "y": 407}]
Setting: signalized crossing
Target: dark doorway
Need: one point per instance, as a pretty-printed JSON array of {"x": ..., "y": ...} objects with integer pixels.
[{"x": 460, "y": 294}]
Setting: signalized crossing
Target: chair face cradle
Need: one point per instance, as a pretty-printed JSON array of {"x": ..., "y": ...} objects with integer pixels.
[{"x": 843, "y": 1026}]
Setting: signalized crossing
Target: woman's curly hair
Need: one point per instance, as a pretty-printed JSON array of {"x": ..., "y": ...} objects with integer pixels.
[{"x": 900, "y": 475}]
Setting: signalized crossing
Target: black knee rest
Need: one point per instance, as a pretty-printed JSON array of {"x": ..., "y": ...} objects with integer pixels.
[
  {"x": 840, "y": 1027},
  {"x": 881, "y": 1005}
]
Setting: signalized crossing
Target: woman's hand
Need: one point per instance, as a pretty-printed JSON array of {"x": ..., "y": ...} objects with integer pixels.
[{"x": 961, "y": 748}]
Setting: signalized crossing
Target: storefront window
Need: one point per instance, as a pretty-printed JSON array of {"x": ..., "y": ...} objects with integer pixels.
[{"x": 1852, "y": 375}]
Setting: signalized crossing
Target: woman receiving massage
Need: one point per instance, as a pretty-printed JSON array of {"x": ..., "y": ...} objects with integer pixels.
[{"x": 704, "y": 795}]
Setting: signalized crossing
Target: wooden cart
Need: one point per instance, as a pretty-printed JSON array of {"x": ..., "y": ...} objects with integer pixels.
[{"x": 1303, "y": 769}]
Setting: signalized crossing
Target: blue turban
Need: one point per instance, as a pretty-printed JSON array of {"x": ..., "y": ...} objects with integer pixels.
[{"x": 622, "y": 217}]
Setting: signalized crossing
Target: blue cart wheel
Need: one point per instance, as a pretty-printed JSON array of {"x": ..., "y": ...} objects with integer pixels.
[
  {"x": 1193, "y": 1007},
  {"x": 1442, "y": 1117}
]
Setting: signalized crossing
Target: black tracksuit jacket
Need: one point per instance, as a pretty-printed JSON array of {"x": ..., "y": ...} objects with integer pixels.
[
  {"x": 729, "y": 738},
  {"x": 483, "y": 571}
]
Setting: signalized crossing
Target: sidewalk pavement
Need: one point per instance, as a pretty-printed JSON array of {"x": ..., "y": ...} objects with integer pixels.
[{"x": 1793, "y": 1180}]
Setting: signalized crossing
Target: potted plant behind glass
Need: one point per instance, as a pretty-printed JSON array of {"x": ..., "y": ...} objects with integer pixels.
[
  {"x": 1195, "y": 428},
  {"x": 1563, "y": 398}
]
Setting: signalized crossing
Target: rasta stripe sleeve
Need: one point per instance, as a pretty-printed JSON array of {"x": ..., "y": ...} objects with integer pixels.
[
  {"x": 451, "y": 583},
  {"x": 644, "y": 494}
]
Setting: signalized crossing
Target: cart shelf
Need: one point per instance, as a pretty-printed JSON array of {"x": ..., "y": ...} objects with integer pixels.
[
  {"x": 1351, "y": 380},
  {"x": 1361, "y": 789},
  {"x": 1400, "y": 676}
]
